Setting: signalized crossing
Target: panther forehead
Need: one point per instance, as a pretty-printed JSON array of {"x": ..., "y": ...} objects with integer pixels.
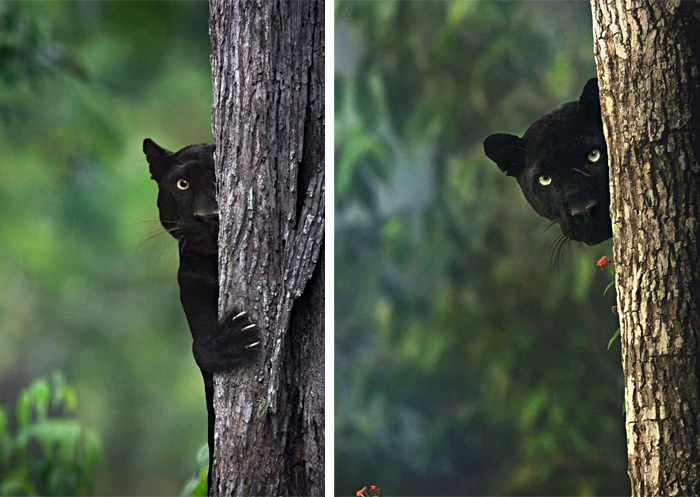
[
  {"x": 560, "y": 126},
  {"x": 562, "y": 140}
]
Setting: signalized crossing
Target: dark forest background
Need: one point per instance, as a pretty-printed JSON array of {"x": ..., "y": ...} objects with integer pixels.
[{"x": 468, "y": 362}]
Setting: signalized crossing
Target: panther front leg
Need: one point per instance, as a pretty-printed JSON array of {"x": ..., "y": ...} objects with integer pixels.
[{"x": 217, "y": 345}]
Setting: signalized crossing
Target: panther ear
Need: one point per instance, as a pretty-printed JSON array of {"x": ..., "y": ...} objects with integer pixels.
[
  {"x": 589, "y": 101},
  {"x": 507, "y": 151},
  {"x": 157, "y": 158}
]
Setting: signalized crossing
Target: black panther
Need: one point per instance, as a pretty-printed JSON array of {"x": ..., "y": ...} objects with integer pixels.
[
  {"x": 561, "y": 164},
  {"x": 189, "y": 212}
]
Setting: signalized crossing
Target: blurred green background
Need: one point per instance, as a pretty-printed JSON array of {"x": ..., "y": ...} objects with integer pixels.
[
  {"x": 85, "y": 290},
  {"x": 467, "y": 361}
]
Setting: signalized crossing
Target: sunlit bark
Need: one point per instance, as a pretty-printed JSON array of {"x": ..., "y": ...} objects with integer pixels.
[{"x": 647, "y": 57}]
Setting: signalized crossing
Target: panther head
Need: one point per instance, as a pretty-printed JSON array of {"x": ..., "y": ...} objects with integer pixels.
[
  {"x": 186, "y": 194},
  {"x": 561, "y": 165}
]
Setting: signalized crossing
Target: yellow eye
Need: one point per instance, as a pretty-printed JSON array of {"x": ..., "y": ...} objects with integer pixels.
[
  {"x": 183, "y": 184},
  {"x": 594, "y": 155},
  {"x": 544, "y": 180}
]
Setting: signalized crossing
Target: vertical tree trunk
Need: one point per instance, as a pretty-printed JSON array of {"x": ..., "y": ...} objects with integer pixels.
[
  {"x": 268, "y": 121},
  {"x": 647, "y": 57}
]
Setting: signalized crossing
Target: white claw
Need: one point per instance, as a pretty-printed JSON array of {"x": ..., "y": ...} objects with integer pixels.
[
  {"x": 250, "y": 326},
  {"x": 240, "y": 314},
  {"x": 250, "y": 346}
]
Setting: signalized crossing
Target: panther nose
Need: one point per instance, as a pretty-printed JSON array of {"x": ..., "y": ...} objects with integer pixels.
[
  {"x": 207, "y": 218},
  {"x": 583, "y": 211}
]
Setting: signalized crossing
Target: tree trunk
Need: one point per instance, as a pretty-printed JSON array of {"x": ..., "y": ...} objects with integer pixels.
[
  {"x": 647, "y": 57},
  {"x": 268, "y": 122}
]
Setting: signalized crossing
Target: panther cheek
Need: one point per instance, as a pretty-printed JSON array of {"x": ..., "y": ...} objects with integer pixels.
[
  {"x": 565, "y": 228},
  {"x": 539, "y": 207}
]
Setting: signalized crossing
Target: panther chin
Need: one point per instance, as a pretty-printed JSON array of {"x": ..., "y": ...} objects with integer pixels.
[
  {"x": 204, "y": 244},
  {"x": 199, "y": 237},
  {"x": 588, "y": 234}
]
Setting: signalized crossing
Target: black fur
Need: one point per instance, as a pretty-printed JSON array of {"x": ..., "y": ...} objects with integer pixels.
[
  {"x": 189, "y": 212},
  {"x": 557, "y": 150}
]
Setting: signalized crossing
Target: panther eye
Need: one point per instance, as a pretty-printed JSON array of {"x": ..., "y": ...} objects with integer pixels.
[
  {"x": 544, "y": 180},
  {"x": 183, "y": 184},
  {"x": 594, "y": 155}
]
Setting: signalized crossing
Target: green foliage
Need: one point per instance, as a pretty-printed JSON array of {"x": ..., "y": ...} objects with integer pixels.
[
  {"x": 28, "y": 57},
  {"x": 49, "y": 453},
  {"x": 262, "y": 408},
  {"x": 461, "y": 356}
]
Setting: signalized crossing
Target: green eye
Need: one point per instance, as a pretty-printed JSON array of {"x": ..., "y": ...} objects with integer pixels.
[
  {"x": 594, "y": 155},
  {"x": 544, "y": 180},
  {"x": 183, "y": 184}
]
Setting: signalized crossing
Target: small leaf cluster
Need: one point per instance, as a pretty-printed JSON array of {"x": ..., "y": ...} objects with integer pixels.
[
  {"x": 197, "y": 485},
  {"x": 372, "y": 491},
  {"x": 47, "y": 452},
  {"x": 602, "y": 263}
]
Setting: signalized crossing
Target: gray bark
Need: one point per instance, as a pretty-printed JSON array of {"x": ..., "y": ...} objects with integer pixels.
[
  {"x": 268, "y": 122},
  {"x": 647, "y": 57}
]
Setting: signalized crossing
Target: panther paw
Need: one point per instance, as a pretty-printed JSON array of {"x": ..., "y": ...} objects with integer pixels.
[
  {"x": 248, "y": 333},
  {"x": 234, "y": 343}
]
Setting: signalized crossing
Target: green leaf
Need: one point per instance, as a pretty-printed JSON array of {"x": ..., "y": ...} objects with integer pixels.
[
  {"x": 457, "y": 11},
  {"x": 23, "y": 409},
  {"x": 203, "y": 456},
  {"x": 612, "y": 339},
  {"x": 610, "y": 285},
  {"x": 201, "y": 489},
  {"x": 197, "y": 486},
  {"x": 40, "y": 395},
  {"x": 63, "y": 395},
  {"x": 189, "y": 487},
  {"x": 535, "y": 404},
  {"x": 358, "y": 148}
]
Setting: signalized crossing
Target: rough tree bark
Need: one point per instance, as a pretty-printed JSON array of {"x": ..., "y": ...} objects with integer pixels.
[
  {"x": 268, "y": 122},
  {"x": 647, "y": 57}
]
